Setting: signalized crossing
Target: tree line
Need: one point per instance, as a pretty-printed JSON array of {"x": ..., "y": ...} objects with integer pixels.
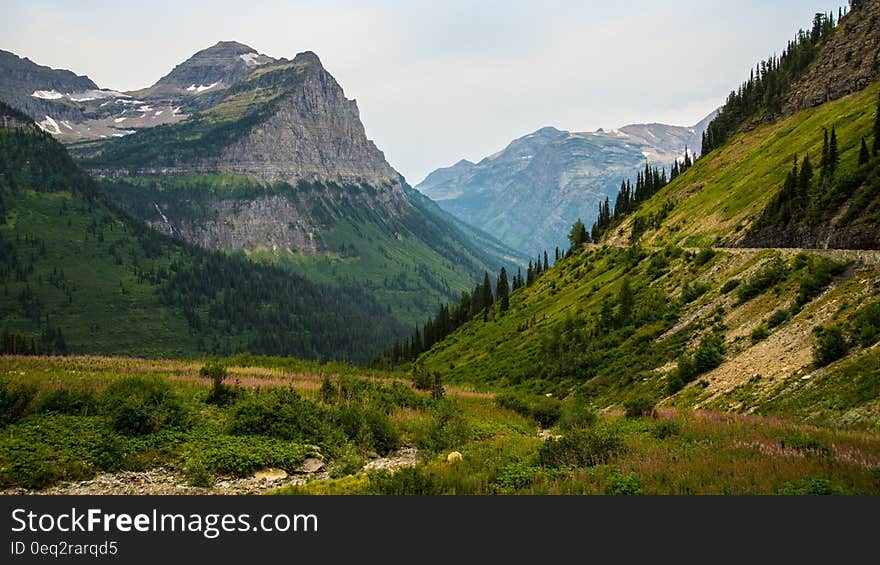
[
  {"x": 484, "y": 297},
  {"x": 770, "y": 81}
]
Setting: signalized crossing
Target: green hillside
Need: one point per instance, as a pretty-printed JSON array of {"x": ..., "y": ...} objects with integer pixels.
[
  {"x": 409, "y": 262},
  {"x": 78, "y": 275},
  {"x": 726, "y": 192}
]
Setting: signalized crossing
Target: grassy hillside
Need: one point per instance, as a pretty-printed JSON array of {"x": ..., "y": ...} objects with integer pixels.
[
  {"x": 74, "y": 263},
  {"x": 728, "y": 330},
  {"x": 726, "y": 192}
]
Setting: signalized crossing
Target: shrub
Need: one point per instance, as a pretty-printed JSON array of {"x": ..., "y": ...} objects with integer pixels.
[
  {"x": 576, "y": 414},
  {"x": 328, "y": 392},
  {"x": 865, "y": 325},
  {"x": 830, "y": 346},
  {"x": 805, "y": 444},
  {"x": 665, "y": 428},
  {"x": 547, "y": 411},
  {"x": 704, "y": 256},
  {"x": 410, "y": 481},
  {"x": 197, "y": 473},
  {"x": 515, "y": 402},
  {"x": 766, "y": 278},
  {"x": 368, "y": 427},
  {"x": 580, "y": 448},
  {"x": 65, "y": 401},
  {"x": 729, "y": 286},
  {"x": 623, "y": 485},
  {"x": 446, "y": 428},
  {"x": 14, "y": 401},
  {"x": 639, "y": 406},
  {"x": 422, "y": 379},
  {"x": 692, "y": 291},
  {"x": 346, "y": 462},
  {"x": 778, "y": 318},
  {"x": 280, "y": 413},
  {"x": 760, "y": 333},
  {"x": 220, "y": 393},
  {"x": 141, "y": 405},
  {"x": 241, "y": 456},
  {"x": 811, "y": 486},
  {"x": 709, "y": 354}
]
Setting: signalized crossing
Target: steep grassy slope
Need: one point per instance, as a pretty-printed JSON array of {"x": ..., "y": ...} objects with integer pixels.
[
  {"x": 75, "y": 264},
  {"x": 614, "y": 325},
  {"x": 726, "y": 192}
]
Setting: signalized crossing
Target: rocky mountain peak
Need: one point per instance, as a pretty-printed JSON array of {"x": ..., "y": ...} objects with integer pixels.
[{"x": 214, "y": 68}]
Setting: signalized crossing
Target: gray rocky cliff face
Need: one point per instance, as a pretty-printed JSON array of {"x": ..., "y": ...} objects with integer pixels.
[
  {"x": 848, "y": 63},
  {"x": 291, "y": 222},
  {"x": 315, "y": 134}
]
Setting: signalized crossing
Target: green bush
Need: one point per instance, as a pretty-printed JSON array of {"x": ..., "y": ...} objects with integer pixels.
[
  {"x": 865, "y": 325},
  {"x": 418, "y": 481},
  {"x": 66, "y": 401},
  {"x": 730, "y": 286},
  {"x": 280, "y": 413},
  {"x": 760, "y": 333},
  {"x": 446, "y": 428},
  {"x": 766, "y": 278},
  {"x": 692, "y": 291},
  {"x": 580, "y": 448},
  {"x": 368, "y": 427},
  {"x": 665, "y": 428},
  {"x": 639, "y": 406},
  {"x": 576, "y": 414},
  {"x": 811, "y": 486},
  {"x": 220, "y": 394},
  {"x": 704, "y": 256},
  {"x": 346, "y": 462},
  {"x": 623, "y": 485},
  {"x": 777, "y": 318},
  {"x": 830, "y": 346},
  {"x": 547, "y": 411},
  {"x": 806, "y": 444},
  {"x": 141, "y": 405},
  {"x": 241, "y": 456},
  {"x": 14, "y": 401}
]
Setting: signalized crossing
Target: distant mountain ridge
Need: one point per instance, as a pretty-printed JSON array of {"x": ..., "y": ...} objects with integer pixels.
[{"x": 530, "y": 193}]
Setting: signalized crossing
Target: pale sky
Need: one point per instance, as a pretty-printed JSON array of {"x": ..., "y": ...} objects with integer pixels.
[{"x": 440, "y": 81}]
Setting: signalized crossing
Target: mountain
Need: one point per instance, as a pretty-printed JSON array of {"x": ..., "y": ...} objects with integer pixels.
[
  {"x": 213, "y": 69},
  {"x": 528, "y": 194},
  {"x": 279, "y": 166},
  {"x": 703, "y": 298},
  {"x": 79, "y": 275}
]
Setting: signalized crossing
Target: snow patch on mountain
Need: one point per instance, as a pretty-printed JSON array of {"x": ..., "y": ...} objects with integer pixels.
[
  {"x": 50, "y": 126},
  {"x": 47, "y": 94}
]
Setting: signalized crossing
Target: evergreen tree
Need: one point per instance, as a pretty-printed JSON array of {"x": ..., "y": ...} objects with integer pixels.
[
  {"x": 823, "y": 164},
  {"x": 877, "y": 128},
  {"x": 578, "y": 234},
  {"x": 502, "y": 290},
  {"x": 546, "y": 262},
  {"x": 864, "y": 155},
  {"x": 833, "y": 155},
  {"x": 488, "y": 299},
  {"x": 806, "y": 175}
]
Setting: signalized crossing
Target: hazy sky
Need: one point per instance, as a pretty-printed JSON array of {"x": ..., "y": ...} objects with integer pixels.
[{"x": 439, "y": 81}]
